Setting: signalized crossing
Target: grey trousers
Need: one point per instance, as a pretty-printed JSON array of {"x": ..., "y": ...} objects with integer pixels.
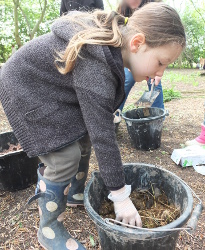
[{"x": 62, "y": 165}]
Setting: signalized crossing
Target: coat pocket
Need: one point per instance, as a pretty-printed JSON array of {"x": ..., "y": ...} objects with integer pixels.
[{"x": 42, "y": 111}]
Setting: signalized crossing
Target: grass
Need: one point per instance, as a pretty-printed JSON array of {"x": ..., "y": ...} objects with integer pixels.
[
  {"x": 172, "y": 78},
  {"x": 129, "y": 107},
  {"x": 170, "y": 94},
  {"x": 175, "y": 77}
]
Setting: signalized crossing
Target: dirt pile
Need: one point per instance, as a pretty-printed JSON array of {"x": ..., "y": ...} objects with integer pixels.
[{"x": 11, "y": 148}]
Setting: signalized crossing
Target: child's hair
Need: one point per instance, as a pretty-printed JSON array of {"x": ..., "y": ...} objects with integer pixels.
[{"x": 159, "y": 23}]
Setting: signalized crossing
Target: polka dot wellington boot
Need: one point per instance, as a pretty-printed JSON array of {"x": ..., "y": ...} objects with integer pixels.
[
  {"x": 77, "y": 186},
  {"x": 52, "y": 197}
]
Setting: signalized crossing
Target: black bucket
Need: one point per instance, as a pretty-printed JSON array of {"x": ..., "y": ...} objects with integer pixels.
[
  {"x": 115, "y": 237},
  {"x": 144, "y": 127},
  {"x": 17, "y": 170}
]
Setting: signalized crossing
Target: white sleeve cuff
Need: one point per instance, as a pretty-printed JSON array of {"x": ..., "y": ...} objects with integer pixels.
[{"x": 121, "y": 196}]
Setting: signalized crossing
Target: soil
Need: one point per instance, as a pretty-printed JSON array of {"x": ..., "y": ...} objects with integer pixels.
[
  {"x": 11, "y": 148},
  {"x": 19, "y": 223},
  {"x": 154, "y": 209}
]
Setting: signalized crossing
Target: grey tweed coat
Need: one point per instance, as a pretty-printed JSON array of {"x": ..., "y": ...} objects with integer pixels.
[{"x": 48, "y": 110}]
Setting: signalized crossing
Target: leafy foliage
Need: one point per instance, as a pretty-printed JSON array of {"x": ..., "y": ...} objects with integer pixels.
[
  {"x": 170, "y": 94},
  {"x": 192, "y": 13},
  {"x": 173, "y": 77},
  {"x": 129, "y": 107},
  {"x": 29, "y": 12},
  {"x": 195, "y": 34},
  {"x": 92, "y": 241}
]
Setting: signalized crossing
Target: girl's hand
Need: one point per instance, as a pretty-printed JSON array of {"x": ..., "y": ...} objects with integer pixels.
[
  {"x": 124, "y": 209},
  {"x": 157, "y": 80},
  {"x": 127, "y": 213}
]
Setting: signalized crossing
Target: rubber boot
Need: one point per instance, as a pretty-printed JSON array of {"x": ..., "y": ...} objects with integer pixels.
[
  {"x": 76, "y": 191},
  {"x": 52, "y": 197},
  {"x": 200, "y": 140}
]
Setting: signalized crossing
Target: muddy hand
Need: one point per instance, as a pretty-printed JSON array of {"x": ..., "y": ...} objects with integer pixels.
[{"x": 124, "y": 209}]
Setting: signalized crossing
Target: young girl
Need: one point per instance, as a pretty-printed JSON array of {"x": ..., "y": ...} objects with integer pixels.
[
  {"x": 61, "y": 87},
  {"x": 126, "y": 8}
]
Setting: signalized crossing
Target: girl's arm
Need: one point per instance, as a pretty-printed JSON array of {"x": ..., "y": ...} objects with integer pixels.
[{"x": 95, "y": 86}]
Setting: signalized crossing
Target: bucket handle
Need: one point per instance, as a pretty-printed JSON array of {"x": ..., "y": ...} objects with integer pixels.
[
  {"x": 113, "y": 222},
  {"x": 167, "y": 112},
  {"x": 118, "y": 111},
  {"x": 192, "y": 222}
]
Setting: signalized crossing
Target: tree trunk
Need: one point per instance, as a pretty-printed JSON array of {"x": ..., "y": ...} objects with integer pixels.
[
  {"x": 39, "y": 21},
  {"x": 16, "y": 32}
]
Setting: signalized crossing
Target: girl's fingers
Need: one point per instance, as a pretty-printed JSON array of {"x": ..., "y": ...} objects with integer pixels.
[
  {"x": 132, "y": 222},
  {"x": 138, "y": 221},
  {"x": 125, "y": 220}
]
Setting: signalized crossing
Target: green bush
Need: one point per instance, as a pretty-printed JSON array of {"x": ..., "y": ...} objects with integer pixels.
[
  {"x": 170, "y": 94},
  {"x": 129, "y": 107}
]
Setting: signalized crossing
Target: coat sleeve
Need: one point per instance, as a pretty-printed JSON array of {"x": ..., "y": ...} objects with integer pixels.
[
  {"x": 99, "y": 4},
  {"x": 95, "y": 86}
]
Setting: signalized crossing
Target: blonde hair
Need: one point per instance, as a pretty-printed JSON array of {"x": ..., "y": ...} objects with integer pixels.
[{"x": 159, "y": 23}]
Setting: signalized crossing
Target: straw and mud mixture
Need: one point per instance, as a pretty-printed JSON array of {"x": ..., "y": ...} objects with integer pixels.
[
  {"x": 153, "y": 207},
  {"x": 11, "y": 148}
]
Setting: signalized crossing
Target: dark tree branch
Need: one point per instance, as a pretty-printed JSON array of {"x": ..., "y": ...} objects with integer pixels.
[
  {"x": 16, "y": 31},
  {"x": 40, "y": 5},
  {"x": 26, "y": 19},
  {"x": 39, "y": 21}
]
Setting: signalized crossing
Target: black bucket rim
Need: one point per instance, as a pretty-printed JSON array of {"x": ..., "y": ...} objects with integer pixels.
[
  {"x": 97, "y": 219},
  {"x": 12, "y": 152},
  {"x": 143, "y": 120}
]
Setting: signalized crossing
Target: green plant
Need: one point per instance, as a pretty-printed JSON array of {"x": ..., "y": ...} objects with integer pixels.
[
  {"x": 92, "y": 241},
  {"x": 22, "y": 20},
  {"x": 129, "y": 107},
  {"x": 175, "y": 77},
  {"x": 195, "y": 84},
  {"x": 170, "y": 94}
]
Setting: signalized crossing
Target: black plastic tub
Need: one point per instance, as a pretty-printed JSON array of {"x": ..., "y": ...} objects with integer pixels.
[
  {"x": 144, "y": 127},
  {"x": 17, "y": 170},
  {"x": 140, "y": 176}
]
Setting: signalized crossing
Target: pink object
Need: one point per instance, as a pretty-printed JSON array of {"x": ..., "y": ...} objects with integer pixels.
[{"x": 201, "y": 138}]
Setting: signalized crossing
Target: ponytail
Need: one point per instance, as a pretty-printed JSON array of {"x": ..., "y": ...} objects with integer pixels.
[{"x": 106, "y": 31}]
